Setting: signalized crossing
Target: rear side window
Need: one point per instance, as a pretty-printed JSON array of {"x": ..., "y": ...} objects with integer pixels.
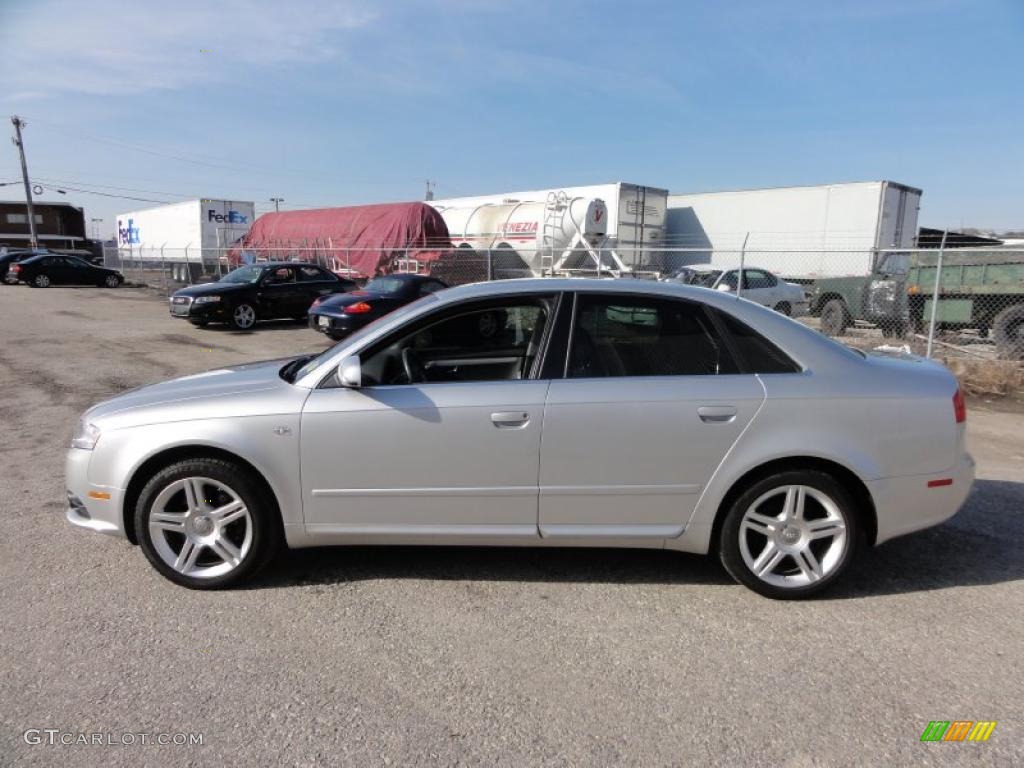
[
  {"x": 310, "y": 274},
  {"x": 758, "y": 355},
  {"x": 622, "y": 335}
]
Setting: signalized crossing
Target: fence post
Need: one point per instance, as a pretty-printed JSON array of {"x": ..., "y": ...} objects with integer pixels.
[
  {"x": 743, "y": 261},
  {"x": 935, "y": 294},
  {"x": 163, "y": 270},
  {"x": 490, "y": 265}
]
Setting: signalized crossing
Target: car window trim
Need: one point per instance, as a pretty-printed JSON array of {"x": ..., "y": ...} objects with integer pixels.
[
  {"x": 430, "y": 318},
  {"x": 724, "y": 340}
]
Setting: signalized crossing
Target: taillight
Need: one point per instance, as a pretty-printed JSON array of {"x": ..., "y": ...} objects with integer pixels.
[
  {"x": 16, "y": 268},
  {"x": 359, "y": 308},
  {"x": 959, "y": 406}
]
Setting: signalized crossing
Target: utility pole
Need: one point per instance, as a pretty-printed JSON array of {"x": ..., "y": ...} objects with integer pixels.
[
  {"x": 430, "y": 190},
  {"x": 18, "y": 125},
  {"x": 277, "y": 201}
]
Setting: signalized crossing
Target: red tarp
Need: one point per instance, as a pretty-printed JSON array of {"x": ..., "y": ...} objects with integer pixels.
[{"x": 361, "y": 239}]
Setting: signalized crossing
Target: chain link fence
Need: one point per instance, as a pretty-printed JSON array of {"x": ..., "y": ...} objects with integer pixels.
[{"x": 964, "y": 304}]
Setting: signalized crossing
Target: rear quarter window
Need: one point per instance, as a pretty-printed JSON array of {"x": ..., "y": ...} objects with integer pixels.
[{"x": 758, "y": 354}]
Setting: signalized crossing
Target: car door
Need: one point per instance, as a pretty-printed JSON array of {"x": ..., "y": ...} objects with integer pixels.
[
  {"x": 758, "y": 286},
  {"x": 650, "y": 405},
  {"x": 60, "y": 269},
  {"x": 280, "y": 295},
  {"x": 448, "y": 451}
]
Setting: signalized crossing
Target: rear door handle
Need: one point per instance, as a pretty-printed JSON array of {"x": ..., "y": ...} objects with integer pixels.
[
  {"x": 505, "y": 419},
  {"x": 717, "y": 413}
]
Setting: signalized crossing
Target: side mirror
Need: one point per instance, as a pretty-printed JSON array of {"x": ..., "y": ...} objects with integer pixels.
[{"x": 350, "y": 373}]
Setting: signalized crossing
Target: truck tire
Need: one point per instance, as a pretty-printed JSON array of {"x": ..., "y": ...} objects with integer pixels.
[
  {"x": 1008, "y": 333},
  {"x": 835, "y": 318}
]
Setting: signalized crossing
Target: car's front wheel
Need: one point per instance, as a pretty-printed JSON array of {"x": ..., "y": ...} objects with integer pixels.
[
  {"x": 205, "y": 523},
  {"x": 243, "y": 317},
  {"x": 112, "y": 281},
  {"x": 790, "y": 535}
]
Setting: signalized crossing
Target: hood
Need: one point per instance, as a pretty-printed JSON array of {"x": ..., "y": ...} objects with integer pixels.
[
  {"x": 211, "y": 289},
  {"x": 221, "y": 393}
]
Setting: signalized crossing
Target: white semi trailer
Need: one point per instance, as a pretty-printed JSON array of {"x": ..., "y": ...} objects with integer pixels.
[
  {"x": 604, "y": 227},
  {"x": 188, "y": 238},
  {"x": 833, "y": 238}
]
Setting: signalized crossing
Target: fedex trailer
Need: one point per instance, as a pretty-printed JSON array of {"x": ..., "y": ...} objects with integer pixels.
[
  {"x": 189, "y": 237},
  {"x": 602, "y": 227}
]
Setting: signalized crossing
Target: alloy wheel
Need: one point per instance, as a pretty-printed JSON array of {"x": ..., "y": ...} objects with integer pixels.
[
  {"x": 200, "y": 527},
  {"x": 42, "y": 281},
  {"x": 793, "y": 536},
  {"x": 244, "y": 316},
  {"x": 112, "y": 281}
]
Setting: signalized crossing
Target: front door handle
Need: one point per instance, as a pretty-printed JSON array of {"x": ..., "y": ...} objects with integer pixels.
[
  {"x": 505, "y": 419},
  {"x": 717, "y": 414}
]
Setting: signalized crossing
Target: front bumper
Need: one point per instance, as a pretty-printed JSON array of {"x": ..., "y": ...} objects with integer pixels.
[
  {"x": 908, "y": 504},
  {"x": 207, "y": 312},
  {"x": 90, "y": 506}
]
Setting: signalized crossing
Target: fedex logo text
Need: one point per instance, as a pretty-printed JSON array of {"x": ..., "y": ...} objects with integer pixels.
[{"x": 231, "y": 217}]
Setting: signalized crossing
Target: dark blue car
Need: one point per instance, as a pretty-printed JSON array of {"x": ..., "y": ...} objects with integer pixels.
[{"x": 340, "y": 315}]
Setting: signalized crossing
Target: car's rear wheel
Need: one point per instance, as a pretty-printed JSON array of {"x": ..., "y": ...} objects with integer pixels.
[
  {"x": 205, "y": 524},
  {"x": 41, "y": 281},
  {"x": 790, "y": 535},
  {"x": 784, "y": 308},
  {"x": 112, "y": 281},
  {"x": 243, "y": 316}
]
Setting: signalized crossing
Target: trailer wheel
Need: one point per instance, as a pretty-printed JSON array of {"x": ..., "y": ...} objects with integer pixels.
[
  {"x": 1008, "y": 333},
  {"x": 834, "y": 317}
]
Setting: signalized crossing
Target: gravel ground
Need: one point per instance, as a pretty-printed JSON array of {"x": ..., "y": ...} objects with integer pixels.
[{"x": 467, "y": 656}]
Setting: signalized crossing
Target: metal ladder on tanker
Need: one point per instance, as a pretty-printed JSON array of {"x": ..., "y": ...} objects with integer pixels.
[{"x": 555, "y": 208}]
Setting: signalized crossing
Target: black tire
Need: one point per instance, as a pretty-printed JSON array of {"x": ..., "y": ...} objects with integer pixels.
[
  {"x": 41, "y": 281},
  {"x": 893, "y": 328},
  {"x": 265, "y": 521},
  {"x": 112, "y": 281},
  {"x": 1008, "y": 333},
  {"x": 784, "y": 308},
  {"x": 234, "y": 319},
  {"x": 729, "y": 543},
  {"x": 835, "y": 318}
]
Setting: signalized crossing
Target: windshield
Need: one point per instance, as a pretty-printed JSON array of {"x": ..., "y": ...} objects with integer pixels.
[
  {"x": 249, "y": 274},
  {"x": 384, "y": 285},
  {"x": 331, "y": 352}
]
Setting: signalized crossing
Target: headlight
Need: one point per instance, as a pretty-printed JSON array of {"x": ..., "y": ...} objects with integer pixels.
[
  {"x": 206, "y": 299},
  {"x": 85, "y": 436}
]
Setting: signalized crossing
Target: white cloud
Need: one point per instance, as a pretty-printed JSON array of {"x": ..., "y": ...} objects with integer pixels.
[{"x": 104, "y": 47}]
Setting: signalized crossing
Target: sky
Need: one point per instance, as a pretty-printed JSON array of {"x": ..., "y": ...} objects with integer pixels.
[{"x": 334, "y": 102}]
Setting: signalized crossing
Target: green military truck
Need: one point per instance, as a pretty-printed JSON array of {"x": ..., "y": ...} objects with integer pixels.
[{"x": 980, "y": 288}]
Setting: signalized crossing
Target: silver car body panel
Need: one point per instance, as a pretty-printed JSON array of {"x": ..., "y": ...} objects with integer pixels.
[{"x": 595, "y": 462}]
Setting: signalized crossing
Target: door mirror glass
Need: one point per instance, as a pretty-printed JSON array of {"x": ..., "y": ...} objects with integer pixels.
[{"x": 350, "y": 372}]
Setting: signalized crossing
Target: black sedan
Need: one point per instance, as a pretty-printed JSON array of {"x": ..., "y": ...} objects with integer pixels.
[
  {"x": 257, "y": 292},
  {"x": 338, "y": 316},
  {"x": 46, "y": 269},
  {"x": 9, "y": 256}
]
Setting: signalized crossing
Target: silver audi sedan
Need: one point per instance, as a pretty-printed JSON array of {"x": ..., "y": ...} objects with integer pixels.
[{"x": 547, "y": 412}]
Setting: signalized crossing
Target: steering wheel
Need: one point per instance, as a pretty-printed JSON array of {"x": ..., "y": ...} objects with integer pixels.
[{"x": 414, "y": 370}]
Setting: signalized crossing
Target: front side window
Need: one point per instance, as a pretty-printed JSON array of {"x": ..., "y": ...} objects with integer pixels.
[
  {"x": 638, "y": 336},
  {"x": 280, "y": 275},
  {"x": 495, "y": 342}
]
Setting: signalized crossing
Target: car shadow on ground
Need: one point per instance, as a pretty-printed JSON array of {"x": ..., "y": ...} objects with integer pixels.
[{"x": 981, "y": 545}]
